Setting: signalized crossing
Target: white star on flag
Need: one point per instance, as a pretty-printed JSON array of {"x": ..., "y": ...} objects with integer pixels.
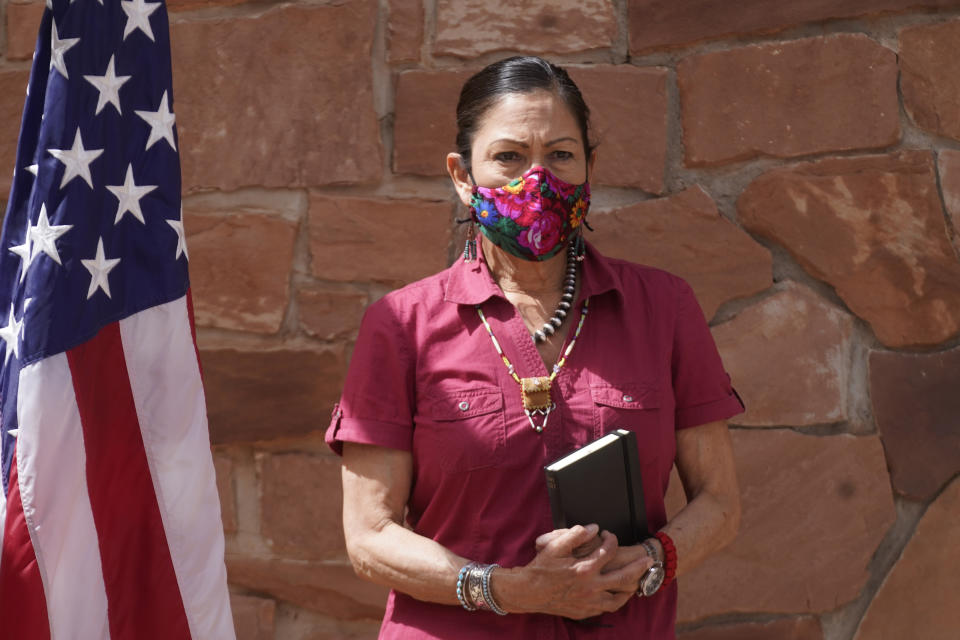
[
  {"x": 33, "y": 168},
  {"x": 11, "y": 335},
  {"x": 99, "y": 267},
  {"x": 138, "y": 16},
  {"x": 24, "y": 251},
  {"x": 58, "y": 48},
  {"x": 76, "y": 160},
  {"x": 161, "y": 123},
  {"x": 109, "y": 87},
  {"x": 129, "y": 195},
  {"x": 44, "y": 236},
  {"x": 181, "y": 237}
]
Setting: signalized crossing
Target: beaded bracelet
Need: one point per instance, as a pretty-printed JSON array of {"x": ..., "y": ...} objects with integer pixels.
[
  {"x": 461, "y": 590},
  {"x": 669, "y": 557},
  {"x": 487, "y": 594}
]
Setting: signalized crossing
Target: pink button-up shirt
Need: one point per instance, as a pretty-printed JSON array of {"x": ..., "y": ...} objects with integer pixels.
[{"x": 426, "y": 378}]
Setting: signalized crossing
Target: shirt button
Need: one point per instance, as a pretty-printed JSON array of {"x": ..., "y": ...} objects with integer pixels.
[
  {"x": 627, "y": 398},
  {"x": 464, "y": 405}
]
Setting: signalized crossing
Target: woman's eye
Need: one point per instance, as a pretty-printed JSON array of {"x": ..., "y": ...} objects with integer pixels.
[
  {"x": 562, "y": 155},
  {"x": 506, "y": 156}
]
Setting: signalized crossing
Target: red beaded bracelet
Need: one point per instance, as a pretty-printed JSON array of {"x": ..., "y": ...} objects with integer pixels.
[{"x": 670, "y": 557}]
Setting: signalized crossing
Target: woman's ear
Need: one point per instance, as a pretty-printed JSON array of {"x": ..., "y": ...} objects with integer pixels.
[
  {"x": 460, "y": 177},
  {"x": 591, "y": 161}
]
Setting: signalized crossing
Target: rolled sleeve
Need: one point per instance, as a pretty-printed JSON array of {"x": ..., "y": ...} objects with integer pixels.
[
  {"x": 377, "y": 404},
  {"x": 702, "y": 388}
]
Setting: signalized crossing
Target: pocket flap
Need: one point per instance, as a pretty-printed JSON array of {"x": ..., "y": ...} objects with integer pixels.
[
  {"x": 625, "y": 396},
  {"x": 464, "y": 404}
]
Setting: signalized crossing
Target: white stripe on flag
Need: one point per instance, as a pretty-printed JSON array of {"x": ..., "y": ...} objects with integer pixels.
[
  {"x": 53, "y": 486},
  {"x": 168, "y": 393}
]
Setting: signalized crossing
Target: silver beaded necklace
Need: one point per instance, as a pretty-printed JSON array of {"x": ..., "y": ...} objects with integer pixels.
[{"x": 566, "y": 300}]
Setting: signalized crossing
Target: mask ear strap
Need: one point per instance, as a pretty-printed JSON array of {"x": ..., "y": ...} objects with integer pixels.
[{"x": 470, "y": 245}]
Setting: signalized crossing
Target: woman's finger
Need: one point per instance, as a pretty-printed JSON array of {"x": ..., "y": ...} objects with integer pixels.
[
  {"x": 564, "y": 543},
  {"x": 626, "y": 579}
]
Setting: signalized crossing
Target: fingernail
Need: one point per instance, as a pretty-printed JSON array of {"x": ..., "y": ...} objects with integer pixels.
[{"x": 593, "y": 529}]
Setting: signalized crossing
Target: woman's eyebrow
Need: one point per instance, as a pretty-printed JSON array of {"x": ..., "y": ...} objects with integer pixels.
[
  {"x": 525, "y": 145},
  {"x": 511, "y": 141}
]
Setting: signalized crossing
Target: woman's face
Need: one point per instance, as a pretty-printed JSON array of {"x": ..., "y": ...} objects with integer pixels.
[{"x": 518, "y": 131}]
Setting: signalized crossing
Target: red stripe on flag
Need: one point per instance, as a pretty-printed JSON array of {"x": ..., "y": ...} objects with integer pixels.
[
  {"x": 23, "y": 604},
  {"x": 143, "y": 597}
]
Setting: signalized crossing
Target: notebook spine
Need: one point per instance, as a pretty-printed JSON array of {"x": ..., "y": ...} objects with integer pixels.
[
  {"x": 553, "y": 490},
  {"x": 638, "y": 509}
]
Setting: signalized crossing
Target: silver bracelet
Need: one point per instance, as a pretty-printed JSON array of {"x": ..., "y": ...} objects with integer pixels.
[
  {"x": 487, "y": 594},
  {"x": 474, "y": 588},
  {"x": 651, "y": 550},
  {"x": 461, "y": 586}
]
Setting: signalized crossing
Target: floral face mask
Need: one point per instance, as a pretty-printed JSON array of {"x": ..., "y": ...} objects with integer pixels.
[{"x": 533, "y": 216}]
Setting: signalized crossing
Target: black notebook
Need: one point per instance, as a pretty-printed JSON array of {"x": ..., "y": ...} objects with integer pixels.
[{"x": 600, "y": 483}]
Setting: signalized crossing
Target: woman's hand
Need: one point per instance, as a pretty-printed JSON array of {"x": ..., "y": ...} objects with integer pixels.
[
  {"x": 560, "y": 582},
  {"x": 626, "y": 556},
  {"x": 583, "y": 550}
]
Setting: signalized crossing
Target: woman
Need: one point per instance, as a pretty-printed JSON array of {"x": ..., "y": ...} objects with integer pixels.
[{"x": 464, "y": 385}]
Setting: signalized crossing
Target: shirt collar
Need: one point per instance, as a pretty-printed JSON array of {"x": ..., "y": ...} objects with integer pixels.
[{"x": 471, "y": 282}]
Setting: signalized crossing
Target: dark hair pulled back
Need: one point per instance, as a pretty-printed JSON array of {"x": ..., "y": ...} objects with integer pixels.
[{"x": 518, "y": 74}]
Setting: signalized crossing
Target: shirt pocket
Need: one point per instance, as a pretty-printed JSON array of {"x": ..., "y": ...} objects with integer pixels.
[
  {"x": 631, "y": 406},
  {"x": 638, "y": 407},
  {"x": 461, "y": 430}
]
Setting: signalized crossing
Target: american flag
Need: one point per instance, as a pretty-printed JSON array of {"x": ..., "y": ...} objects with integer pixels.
[{"x": 111, "y": 519}]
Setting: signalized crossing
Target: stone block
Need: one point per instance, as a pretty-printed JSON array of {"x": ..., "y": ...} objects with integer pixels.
[
  {"x": 628, "y": 110},
  {"x": 918, "y": 599},
  {"x": 917, "y": 410},
  {"x": 193, "y": 5},
  {"x": 470, "y": 28},
  {"x": 265, "y": 395},
  {"x": 301, "y": 501},
  {"x": 792, "y": 326},
  {"x": 12, "y": 97},
  {"x": 788, "y": 99},
  {"x": 425, "y": 127},
  {"x": 295, "y": 110},
  {"x": 228, "y": 502},
  {"x": 930, "y": 76},
  {"x": 23, "y": 25},
  {"x": 948, "y": 163},
  {"x": 404, "y": 31},
  {"x": 814, "y": 510},
  {"x": 240, "y": 268},
  {"x": 253, "y": 618},
  {"x": 378, "y": 239},
  {"x": 872, "y": 227},
  {"x": 804, "y": 628},
  {"x": 332, "y": 589},
  {"x": 686, "y": 235},
  {"x": 655, "y": 24},
  {"x": 330, "y": 313}
]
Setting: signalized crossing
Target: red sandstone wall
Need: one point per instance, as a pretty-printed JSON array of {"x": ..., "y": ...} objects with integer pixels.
[{"x": 798, "y": 162}]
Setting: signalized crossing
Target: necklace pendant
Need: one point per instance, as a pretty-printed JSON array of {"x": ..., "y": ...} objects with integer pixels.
[
  {"x": 543, "y": 412},
  {"x": 535, "y": 393}
]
